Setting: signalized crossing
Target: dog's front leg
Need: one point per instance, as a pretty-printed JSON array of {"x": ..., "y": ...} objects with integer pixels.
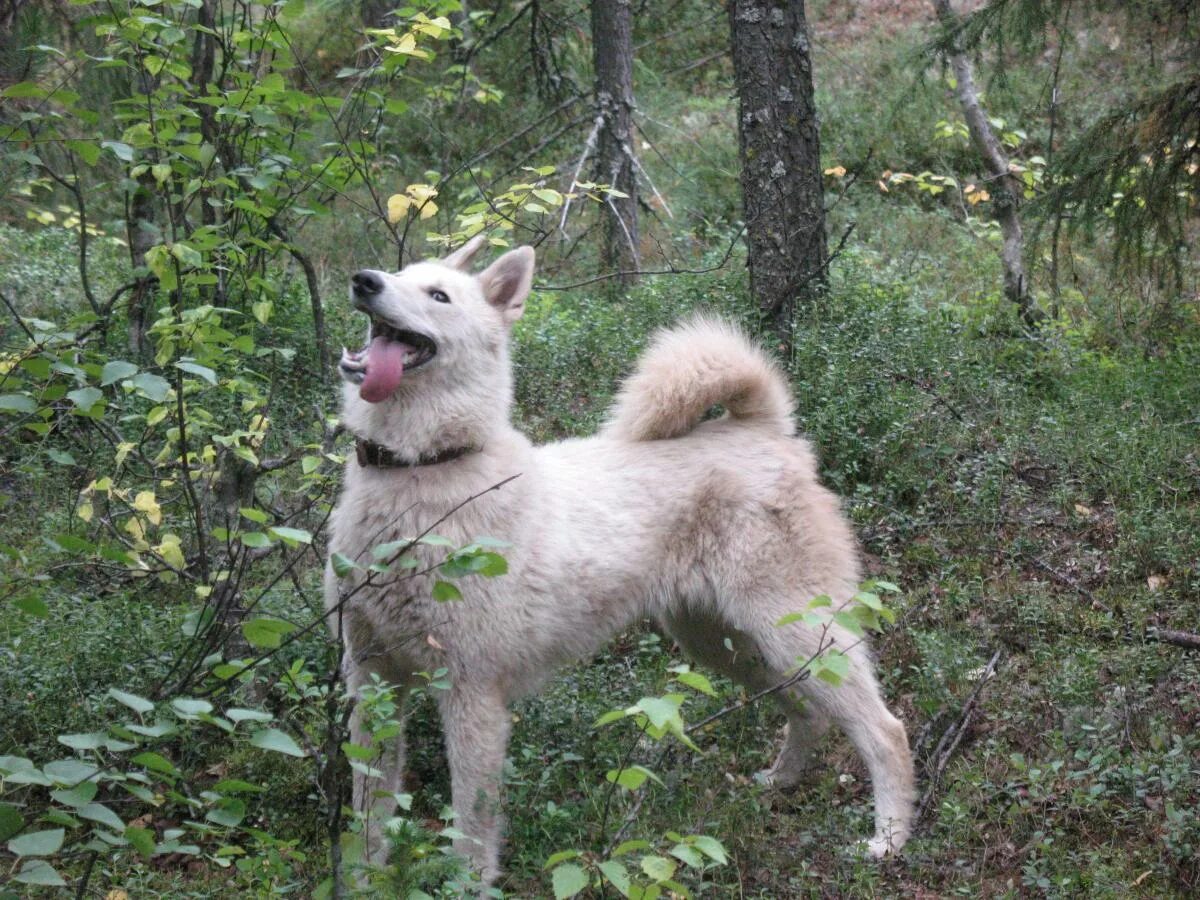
[{"x": 477, "y": 725}]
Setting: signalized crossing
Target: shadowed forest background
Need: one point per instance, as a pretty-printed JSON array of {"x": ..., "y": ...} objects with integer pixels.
[{"x": 982, "y": 282}]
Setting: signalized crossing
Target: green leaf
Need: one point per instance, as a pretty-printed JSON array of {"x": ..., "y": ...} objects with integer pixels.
[
  {"x": 24, "y": 90},
  {"x": 274, "y": 739},
  {"x": 868, "y": 599},
  {"x": 155, "y": 387},
  {"x": 85, "y": 398},
  {"x": 229, "y": 813},
  {"x": 21, "y": 403},
  {"x": 195, "y": 368},
  {"x": 850, "y": 622},
  {"x": 697, "y": 682},
  {"x": 254, "y": 515},
  {"x": 133, "y": 701},
  {"x": 658, "y": 867},
  {"x": 40, "y": 872},
  {"x": 689, "y": 856},
  {"x": 342, "y": 564},
  {"x": 87, "y": 151},
  {"x": 660, "y": 710},
  {"x": 122, "y": 151},
  {"x": 444, "y": 591},
  {"x": 291, "y": 536},
  {"x": 187, "y": 708},
  {"x": 248, "y": 715},
  {"x": 236, "y": 786},
  {"x": 155, "y": 762},
  {"x": 630, "y": 846},
  {"x": 92, "y": 741},
  {"x": 10, "y": 821},
  {"x": 710, "y": 847},
  {"x": 629, "y": 778},
  {"x": 256, "y": 539},
  {"x": 266, "y": 633},
  {"x": 141, "y": 839},
  {"x": 69, "y": 771},
  {"x": 609, "y": 717},
  {"x": 568, "y": 880},
  {"x": 832, "y": 667},
  {"x": 560, "y": 856},
  {"x": 79, "y": 795},
  {"x": 37, "y": 843},
  {"x": 616, "y": 874},
  {"x": 116, "y": 369},
  {"x": 98, "y": 812}
]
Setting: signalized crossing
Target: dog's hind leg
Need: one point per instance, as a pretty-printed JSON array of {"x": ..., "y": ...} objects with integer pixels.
[
  {"x": 476, "y": 724},
  {"x": 856, "y": 706},
  {"x": 764, "y": 655},
  {"x": 703, "y": 637}
]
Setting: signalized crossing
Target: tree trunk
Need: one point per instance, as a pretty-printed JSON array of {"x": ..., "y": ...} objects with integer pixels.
[
  {"x": 612, "y": 52},
  {"x": 1006, "y": 190},
  {"x": 779, "y": 144}
]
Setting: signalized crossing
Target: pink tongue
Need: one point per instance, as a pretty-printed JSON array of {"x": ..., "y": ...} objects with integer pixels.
[{"x": 385, "y": 365}]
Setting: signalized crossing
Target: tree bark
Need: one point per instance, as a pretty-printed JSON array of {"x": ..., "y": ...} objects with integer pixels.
[
  {"x": 612, "y": 52},
  {"x": 1005, "y": 188},
  {"x": 780, "y": 149}
]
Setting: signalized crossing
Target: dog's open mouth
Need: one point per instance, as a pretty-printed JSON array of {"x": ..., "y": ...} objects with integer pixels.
[{"x": 378, "y": 367}]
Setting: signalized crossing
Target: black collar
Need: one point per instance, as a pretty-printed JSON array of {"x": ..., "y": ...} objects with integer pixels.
[{"x": 370, "y": 453}]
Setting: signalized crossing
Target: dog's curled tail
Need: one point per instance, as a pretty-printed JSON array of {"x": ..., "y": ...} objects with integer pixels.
[{"x": 689, "y": 369}]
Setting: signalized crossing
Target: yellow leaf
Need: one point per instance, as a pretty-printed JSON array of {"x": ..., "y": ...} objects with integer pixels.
[
  {"x": 407, "y": 44},
  {"x": 170, "y": 552},
  {"x": 123, "y": 450},
  {"x": 421, "y": 192},
  {"x": 133, "y": 527},
  {"x": 1156, "y": 582},
  {"x": 397, "y": 207},
  {"x": 84, "y": 511},
  {"x": 145, "y": 502},
  {"x": 836, "y": 171},
  {"x": 428, "y": 209},
  {"x": 1082, "y": 510}
]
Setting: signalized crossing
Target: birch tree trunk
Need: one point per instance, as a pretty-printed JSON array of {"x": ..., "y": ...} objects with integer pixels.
[
  {"x": 612, "y": 52},
  {"x": 1006, "y": 189},
  {"x": 780, "y": 149}
]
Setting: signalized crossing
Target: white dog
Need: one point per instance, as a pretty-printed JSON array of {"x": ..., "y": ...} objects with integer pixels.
[{"x": 714, "y": 529}]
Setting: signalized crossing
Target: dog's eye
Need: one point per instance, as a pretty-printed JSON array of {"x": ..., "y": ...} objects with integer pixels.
[{"x": 439, "y": 296}]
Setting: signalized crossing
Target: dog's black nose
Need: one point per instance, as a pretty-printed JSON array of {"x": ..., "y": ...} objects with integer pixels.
[{"x": 366, "y": 283}]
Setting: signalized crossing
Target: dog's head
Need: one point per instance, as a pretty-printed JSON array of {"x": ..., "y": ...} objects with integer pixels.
[
  {"x": 434, "y": 373},
  {"x": 434, "y": 319}
]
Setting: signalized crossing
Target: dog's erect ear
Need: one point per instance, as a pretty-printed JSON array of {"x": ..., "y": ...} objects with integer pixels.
[
  {"x": 507, "y": 281},
  {"x": 461, "y": 258}
]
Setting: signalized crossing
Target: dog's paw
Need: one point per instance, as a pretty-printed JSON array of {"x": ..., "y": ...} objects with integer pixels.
[{"x": 881, "y": 847}]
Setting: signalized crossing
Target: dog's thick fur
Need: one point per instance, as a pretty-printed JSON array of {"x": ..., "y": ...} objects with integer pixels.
[{"x": 714, "y": 529}]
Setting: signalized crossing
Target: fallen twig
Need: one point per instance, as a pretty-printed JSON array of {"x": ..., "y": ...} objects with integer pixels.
[
  {"x": 953, "y": 735},
  {"x": 1178, "y": 638}
]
